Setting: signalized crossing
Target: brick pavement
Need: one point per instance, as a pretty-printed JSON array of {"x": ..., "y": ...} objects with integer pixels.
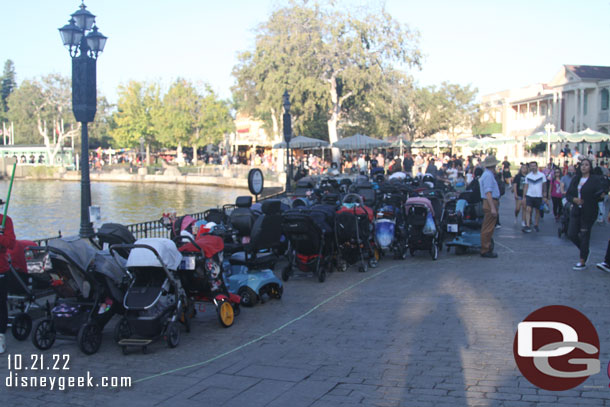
[{"x": 421, "y": 333}]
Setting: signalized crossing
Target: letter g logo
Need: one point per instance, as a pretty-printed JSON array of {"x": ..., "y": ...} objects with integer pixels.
[{"x": 556, "y": 348}]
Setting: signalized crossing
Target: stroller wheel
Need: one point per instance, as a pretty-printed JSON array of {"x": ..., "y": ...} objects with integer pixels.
[
  {"x": 341, "y": 266},
  {"x": 172, "y": 335},
  {"x": 43, "y": 336},
  {"x": 372, "y": 263},
  {"x": 22, "y": 326},
  {"x": 122, "y": 330},
  {"x": 248, "y": 296},
  {"x": 286, "y": 273},
  {"x": 89, "y": 338},
  {"x": 225, "y": 312},
  {"x": 434, "y": 251},
  {"x": 321, "y": 274},
  {"x": 276, "y": 291},
  {"x": 362, "y": 268}
]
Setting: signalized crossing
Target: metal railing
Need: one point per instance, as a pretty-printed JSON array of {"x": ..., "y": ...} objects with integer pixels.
[{"x": 153, "y": 228}]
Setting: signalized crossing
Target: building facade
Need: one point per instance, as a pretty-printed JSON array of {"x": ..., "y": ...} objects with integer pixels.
[{"x": 575, "y": 99}]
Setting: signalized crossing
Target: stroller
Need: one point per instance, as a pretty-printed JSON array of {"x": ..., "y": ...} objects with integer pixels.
[
  {"x": 155, "y": 302},
  {"x": 470, "y": 215},
  {"x": 353, "y": 234},
  {"x": 201, "y": 276},
  {"x": 422, "y": 226},
  {"x": 390, "y": 228},
  {"x": 114, "y": 233},
  {"x": 310, "y": 234},
  {"x": 89, "y": 285},
  {"x": 25, "y": 286},
  {"x": 564, "y": 219}
]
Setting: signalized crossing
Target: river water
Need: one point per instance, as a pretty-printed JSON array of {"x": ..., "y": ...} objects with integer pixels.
[{"x": 43, "y": 208}]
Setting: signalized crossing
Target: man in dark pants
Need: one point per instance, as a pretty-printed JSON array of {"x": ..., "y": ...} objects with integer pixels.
[
  {"x": 490, "y": 194},
  {"x": 7, "y": 241}
]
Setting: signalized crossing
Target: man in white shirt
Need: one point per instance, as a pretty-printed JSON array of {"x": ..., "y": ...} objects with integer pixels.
[{"x": 534, "y": 193}]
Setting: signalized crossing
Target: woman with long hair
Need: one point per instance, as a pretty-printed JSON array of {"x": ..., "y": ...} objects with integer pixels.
[
  {"x": 585, "y": 192},
  {"x": 556, "y": 195}
]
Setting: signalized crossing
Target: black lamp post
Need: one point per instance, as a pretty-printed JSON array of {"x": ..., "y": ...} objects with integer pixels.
[
  {"x": 84, "y": 43},
  {"x": 287, "y": 120}
]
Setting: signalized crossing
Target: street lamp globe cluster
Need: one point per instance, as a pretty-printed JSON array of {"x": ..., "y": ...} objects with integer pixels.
[{"x": 84, "y": 42}]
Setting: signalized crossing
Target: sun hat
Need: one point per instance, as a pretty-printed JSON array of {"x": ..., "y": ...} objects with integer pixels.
[{"x": 490, "y": 161}]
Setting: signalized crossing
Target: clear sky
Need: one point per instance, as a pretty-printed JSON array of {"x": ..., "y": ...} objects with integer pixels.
[{"x": 493, "y": 45}]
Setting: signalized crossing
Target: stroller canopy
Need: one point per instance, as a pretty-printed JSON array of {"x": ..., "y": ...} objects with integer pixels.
[
  {"x": 78, "y": 250},
  {"x": 418, "y": 201},
  {"x": 109, "y": 266},
  {"x": 167, "y": 250}
]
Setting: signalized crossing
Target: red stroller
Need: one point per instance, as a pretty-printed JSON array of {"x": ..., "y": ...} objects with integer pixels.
[{"x": 25, "y": 286}]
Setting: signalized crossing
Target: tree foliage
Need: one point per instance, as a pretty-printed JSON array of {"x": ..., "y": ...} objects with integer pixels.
[
  {"x": 7, "y": 86},
  {"x": 334, "y": 63},
  {"x": 138, "y": 109}
]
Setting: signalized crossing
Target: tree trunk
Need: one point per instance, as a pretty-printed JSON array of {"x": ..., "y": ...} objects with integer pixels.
[
  {"x": 334, "y": 119},
  {"x": 195, "y": 154},
  {"x": 275, "y": 126},
  {"x": 179, "y": 157},
  {"x": 147, "y": 154}
]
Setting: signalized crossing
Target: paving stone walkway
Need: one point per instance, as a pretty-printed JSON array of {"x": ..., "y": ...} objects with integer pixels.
[{"x": 413, "y": 333}]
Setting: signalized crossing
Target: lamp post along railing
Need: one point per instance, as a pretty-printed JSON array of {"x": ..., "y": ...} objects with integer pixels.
[
  {"x": 287, "y": 122},
  {"x": 84, "y": 43}
]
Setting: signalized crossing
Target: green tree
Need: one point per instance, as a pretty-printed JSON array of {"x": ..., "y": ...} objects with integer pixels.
[
  {"x": 458, "y": 109},
  {"x": 37, "y": 107},
  {"x": 7, "y": 86},
  {"x": 138, "y": 109},
  {"x": 214, "y": 121},
  {"x": 328, "y": 58}
]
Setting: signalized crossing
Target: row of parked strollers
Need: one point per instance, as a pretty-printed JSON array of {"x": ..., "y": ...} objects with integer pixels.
[{"x": 156, "y": 285}]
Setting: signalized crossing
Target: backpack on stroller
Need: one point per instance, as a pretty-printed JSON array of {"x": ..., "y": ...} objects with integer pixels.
[
  {"x": 354, "y": 234},
  {"x": 89, "y": 285}
]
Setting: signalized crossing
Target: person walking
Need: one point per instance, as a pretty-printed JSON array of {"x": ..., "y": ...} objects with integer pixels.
[
  {"x": 7, "y": 241},
  {"x": 556, "y": 194},
  {"x": 534, "y": 193},
  {"x": 518, "y": 185},
  {"x": 490, "y": 195},
  {"x": 585, "y": 192}
]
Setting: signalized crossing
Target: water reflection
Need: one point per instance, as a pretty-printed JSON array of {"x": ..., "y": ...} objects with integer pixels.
[{"x": 42, "y": 208}]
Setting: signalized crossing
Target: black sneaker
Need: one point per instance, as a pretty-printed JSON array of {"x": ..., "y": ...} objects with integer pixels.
[
  {"x": 603, "y": 266},
  {"x": 526, "y": 229},
  {"x": 536, "y": 228},
  {"x": 579, "y": 266}
]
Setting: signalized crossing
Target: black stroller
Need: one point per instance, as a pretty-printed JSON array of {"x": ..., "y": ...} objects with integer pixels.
[
  {"x": 89, "y": 285},
  {"x": 354, "y": 234},
  {"x": 564, "y": 220},
  {"x": 25, "y": 286},
  {"x": 310, "y": 234},
  {"x": 155, "y": 302},
  {"x": 422, "y": 226}
]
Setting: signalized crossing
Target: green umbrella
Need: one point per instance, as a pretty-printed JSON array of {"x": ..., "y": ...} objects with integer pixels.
[
  {"x": 360, "y": 141},
  {"x": 303, "y": 142},
  {"x": 543, "y": 137},
  {"x": 588, "y": 136},
  {"x": 400, "y": 143}
]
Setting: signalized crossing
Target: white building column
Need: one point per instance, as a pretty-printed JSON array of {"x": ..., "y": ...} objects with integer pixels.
[
  {"x": 559, "y": 110},
  {"x": 582, "y": 109}
]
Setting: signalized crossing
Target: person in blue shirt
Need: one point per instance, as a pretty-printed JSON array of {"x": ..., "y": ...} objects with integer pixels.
[{"x": 490, "y": 195}]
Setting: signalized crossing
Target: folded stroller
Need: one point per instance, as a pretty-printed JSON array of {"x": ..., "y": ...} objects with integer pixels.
[
  {"x": 25, "y": 286},
  {"x": 564, "y": 220},
  {"x": 310, "y": 234},
  {"x": 155, "y": 302},
  {"x": 89, "y": 285},
  {"x": 354, "y": 234},
  {"x": 422, "y": 226}
]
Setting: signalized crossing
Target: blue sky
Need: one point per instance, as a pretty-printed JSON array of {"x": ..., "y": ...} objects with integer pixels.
[{"x": 493, "y": 45}]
